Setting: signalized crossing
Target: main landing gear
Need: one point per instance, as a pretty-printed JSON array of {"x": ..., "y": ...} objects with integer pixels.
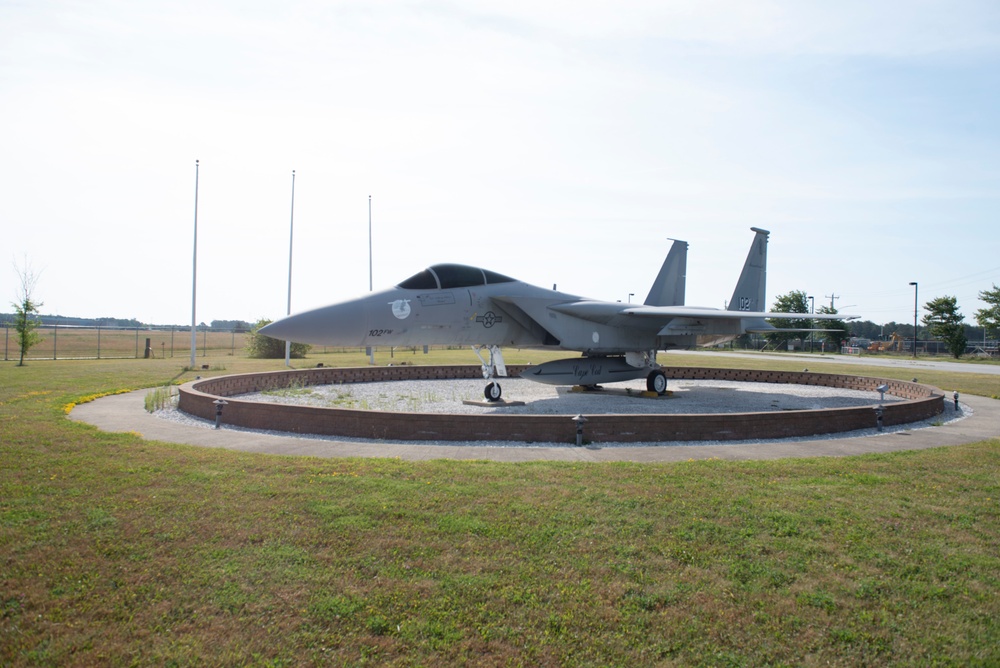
[
  {"x": 494, "y": 367},
  {"x": 656, "y": 381}
]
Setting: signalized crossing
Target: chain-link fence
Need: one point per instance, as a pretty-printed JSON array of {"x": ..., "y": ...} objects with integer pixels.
[{"x": 70, "y": 342}]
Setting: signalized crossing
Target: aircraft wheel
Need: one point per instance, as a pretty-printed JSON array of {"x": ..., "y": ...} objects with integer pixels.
[
  {"x": 656, "y": 381},
  {"x": 493, "y": 392}
]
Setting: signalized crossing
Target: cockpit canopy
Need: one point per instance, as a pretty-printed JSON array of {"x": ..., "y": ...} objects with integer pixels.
[{"x": 446, "y": 276}]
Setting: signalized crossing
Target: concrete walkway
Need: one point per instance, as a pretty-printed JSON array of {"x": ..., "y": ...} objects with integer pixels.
[{"x": 126, "y": 413}]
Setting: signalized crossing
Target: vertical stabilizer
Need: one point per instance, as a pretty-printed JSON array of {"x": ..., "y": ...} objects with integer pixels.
[
  {"x": 668, "y": 288},
  {"x": 749, "y": 294}
]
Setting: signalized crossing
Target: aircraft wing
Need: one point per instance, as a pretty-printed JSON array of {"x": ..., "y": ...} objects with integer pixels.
[
  {"x": 608, "y": 312},
  {"x": 751, "y": 321},
  {"x": 677, "y": 320},
  {"x": 694, "y": 311}
]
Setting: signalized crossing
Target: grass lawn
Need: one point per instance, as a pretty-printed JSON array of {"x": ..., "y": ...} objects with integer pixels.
[{"x": 120, "y": 551}]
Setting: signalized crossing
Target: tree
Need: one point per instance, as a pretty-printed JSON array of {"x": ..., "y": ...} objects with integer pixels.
[
  {"x": 838, "y": 329},
  {"x": 795, "y": 301},
  {"x": 26, "y": 310},
  {"x": 989, "y": 318},
  {"x": 945, "y": 323},
  {"x": 237, "y": 325},
  {"x": 264, "y": 347}
]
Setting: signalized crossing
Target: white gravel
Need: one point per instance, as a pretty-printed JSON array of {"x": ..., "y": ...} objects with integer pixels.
[{"x": 688, "y": 396}]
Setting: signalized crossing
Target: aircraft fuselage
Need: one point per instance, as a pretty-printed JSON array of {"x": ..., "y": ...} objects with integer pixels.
[
  {"x": 452, "y": 304},
  {"x": 524, "y": 316}
]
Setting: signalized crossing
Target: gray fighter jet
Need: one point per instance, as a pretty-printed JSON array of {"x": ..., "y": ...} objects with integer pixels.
[{"x": 453, "y": 304}]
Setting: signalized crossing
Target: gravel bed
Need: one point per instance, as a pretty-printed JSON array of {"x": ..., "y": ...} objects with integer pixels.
[{"x": 689, "y": 396}]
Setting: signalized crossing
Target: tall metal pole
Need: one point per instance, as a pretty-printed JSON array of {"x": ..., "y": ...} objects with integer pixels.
[
  {"x": 291, "y": 231},
  {"x": 812, "y": 324},
  {"x": 914, "y": 284},
  {"x": 194, "y": 273},
  {"x": 370, "y": 283}
]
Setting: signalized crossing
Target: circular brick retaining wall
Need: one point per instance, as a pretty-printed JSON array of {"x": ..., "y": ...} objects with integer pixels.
[{"x": 919, "y": 403}]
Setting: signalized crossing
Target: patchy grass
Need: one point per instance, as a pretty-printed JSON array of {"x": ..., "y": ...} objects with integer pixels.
[
  {"x": 119, "y": 551},
  {"x": 158, "y": 398}
]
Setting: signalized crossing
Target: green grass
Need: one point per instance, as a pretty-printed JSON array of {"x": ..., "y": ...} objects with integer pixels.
[
  {"x": 984, "y": 385},
  {"x": 120, "y": 551}
]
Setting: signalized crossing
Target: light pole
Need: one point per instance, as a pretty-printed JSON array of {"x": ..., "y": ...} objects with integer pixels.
[
  {"x": 812, "y": 309},
  {"x": 914, "y": 284},
  {"x": 291, "y": 231}
]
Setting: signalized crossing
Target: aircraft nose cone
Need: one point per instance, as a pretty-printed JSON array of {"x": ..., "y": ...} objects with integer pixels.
[
  {"x": 337, "y": 325},
  {"x": 278, "y": 330}
]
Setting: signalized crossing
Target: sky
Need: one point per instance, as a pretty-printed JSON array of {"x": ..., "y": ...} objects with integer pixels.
[{"x": 558, "y": 142}]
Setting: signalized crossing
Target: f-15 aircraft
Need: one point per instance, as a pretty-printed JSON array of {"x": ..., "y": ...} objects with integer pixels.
[{"x": 453, "y": 304}]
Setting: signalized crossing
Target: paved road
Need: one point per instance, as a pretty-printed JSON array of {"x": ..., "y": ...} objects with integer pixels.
[{"x": 126, "y": 412}]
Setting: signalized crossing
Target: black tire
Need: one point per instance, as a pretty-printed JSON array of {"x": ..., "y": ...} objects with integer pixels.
[
  {"x": 493, "y": 392},
  {"x": 656, "y": 381}
]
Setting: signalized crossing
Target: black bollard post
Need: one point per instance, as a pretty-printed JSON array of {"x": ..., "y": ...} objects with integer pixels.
[
  {"x": 579, "y": 420},
  {"x": 219, "y": 403}
]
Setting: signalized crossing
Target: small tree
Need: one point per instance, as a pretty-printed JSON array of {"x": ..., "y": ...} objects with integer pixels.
[
  {"x": 260, "y": 346},
  {"x": 837, "y": 329},
  {"x": 946, "y": 323},
  {"x": 989, "y": 318},
  {"x": 795, "y": 301},
  {"x": 26, "y": 310}
]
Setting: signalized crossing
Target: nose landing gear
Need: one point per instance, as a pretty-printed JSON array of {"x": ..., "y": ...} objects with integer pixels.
[
  {"x": 493, "y": 391},
  {"x": 494, "y": 367}
]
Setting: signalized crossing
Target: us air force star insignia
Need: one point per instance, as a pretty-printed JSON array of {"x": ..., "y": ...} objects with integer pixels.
[
  {"x": 489, "y": 319},
  {"x": 401, "y": 308}
]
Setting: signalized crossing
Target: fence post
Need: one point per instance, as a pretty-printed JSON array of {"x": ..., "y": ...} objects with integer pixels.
[
  {"x": 98, "y": 342},
  {"x": 55, "y": 341}
]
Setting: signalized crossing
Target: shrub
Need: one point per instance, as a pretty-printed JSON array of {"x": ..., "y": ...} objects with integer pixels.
[{"x": 264, "y": 347}]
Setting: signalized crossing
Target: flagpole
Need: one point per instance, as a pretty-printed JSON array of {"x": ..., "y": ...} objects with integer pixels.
[
  {"x": 370, "y": 286},
  {"x": 291, "y": 231},
  {"x": 371, "y": 350},
  {"x": 194, "y": 273}
]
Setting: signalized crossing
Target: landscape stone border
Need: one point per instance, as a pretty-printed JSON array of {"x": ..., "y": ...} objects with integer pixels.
[{"x": 920, "y": 402}]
